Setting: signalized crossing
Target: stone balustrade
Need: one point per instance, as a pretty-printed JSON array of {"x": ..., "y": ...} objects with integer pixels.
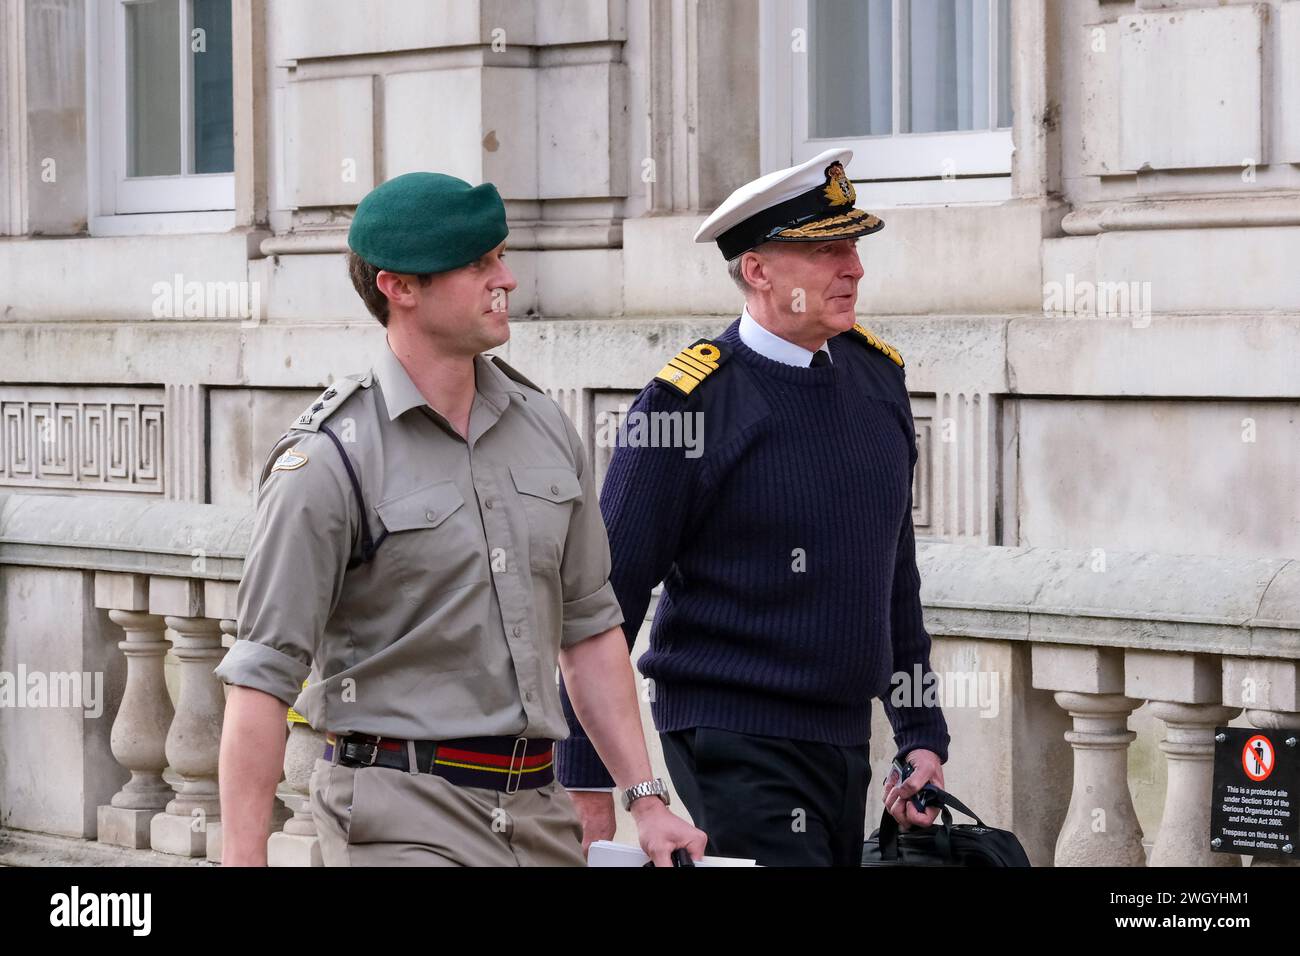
[
  {"x": 1078, "y": 642},
  {"x": 1203, "y": 640}
]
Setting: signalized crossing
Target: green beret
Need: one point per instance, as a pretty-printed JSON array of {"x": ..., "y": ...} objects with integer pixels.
[{"x": 427, "y": 222}]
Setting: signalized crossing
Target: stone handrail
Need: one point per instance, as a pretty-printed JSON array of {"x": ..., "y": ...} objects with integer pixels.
[
  {"x": 124, "y": 534},
  {"x": 1187, "y": 603}
]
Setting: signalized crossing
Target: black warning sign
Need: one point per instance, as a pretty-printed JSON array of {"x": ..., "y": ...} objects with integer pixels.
[{"x": 1256, "y": 799}]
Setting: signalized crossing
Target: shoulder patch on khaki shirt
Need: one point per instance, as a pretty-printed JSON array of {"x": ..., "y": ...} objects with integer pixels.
[
  {"x": 290, "y": 461},
  {"x": 329, "y": 400}
]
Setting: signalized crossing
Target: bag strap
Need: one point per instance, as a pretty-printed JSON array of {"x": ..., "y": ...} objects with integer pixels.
[
  {"x": 943, "y": 837},
  {"x": 368, "y": 545},
  {"x": 888, "y": 837}
]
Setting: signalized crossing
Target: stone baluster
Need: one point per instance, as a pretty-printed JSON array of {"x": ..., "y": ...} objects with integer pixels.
[
  {"x": 194, "y": 740},
  {"x": 1185, "y": 691},
  {"x": 229, "y": 629},
  {"x": 297, "y": 844},
  {"x": 140, "y": 727},
  {"x": 1269, "y": 690},
  {"x": 1101, "y": 827},
  {"x": 1188, "y": 746}
]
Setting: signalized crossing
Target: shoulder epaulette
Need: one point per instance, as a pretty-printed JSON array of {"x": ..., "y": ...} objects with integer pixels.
[
  {"x": 691, "y": 366},
  {"x": 514, "y": 373},
  {"x": 866, "y": 335},
  {"x": 330, "y": 399}
]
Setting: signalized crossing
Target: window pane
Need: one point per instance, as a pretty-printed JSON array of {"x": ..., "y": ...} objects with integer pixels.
[
  {"x": 214, "y": 129},
  {"x": 1004, "y": 63},
  {"x": 851, "y": 71},
  {"x": 153, "y": 80},
  {"x": 947, "y": 76}
]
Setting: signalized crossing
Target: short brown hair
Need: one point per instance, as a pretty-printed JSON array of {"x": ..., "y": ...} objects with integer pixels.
[{"x": 363, "y": 280}]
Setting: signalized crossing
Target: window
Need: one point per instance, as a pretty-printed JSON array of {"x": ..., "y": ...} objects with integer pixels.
[
  {"x": 165, "y": 106},
  {"x": 919, "y": 89}
]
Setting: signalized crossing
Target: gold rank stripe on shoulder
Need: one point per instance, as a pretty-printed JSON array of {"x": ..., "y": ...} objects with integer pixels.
[
  {"x": 691, "y": 366},
  {"x": 866, "y": 335}
]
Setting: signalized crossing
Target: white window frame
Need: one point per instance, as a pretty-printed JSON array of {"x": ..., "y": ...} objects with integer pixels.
[
  {"x": 122, "y": 205},
  {"x": 895, "y": 169}
]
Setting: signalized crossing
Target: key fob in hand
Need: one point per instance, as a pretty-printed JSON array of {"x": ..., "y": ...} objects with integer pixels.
[
  {"x": 920, "y": 799},
  {"x": 923, "y": 797}
]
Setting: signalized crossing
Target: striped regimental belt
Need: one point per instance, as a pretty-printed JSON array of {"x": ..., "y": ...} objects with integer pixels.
[{"x": 506, "y": 764}]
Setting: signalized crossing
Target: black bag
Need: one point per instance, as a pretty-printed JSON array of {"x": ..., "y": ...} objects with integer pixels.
[{"x": 947, "y": 845}]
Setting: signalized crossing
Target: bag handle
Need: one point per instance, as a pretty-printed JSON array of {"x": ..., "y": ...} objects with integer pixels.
[
  {"x": 935, "y": 796},
  {"x": 943, "y": 798},
  {"x": 889, "y": 836}
]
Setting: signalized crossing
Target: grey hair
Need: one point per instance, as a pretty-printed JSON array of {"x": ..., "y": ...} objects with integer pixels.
[{"x": 733, "y": 270}]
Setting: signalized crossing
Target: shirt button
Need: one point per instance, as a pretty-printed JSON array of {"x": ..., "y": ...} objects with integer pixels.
[
  {"x": 430, "y": 515},
  {"x": 488, "y": 504},
  {"x": 518, "y": 630},
  {"x": 528, "y": 695},
  {"x": 555, "y": 489}
]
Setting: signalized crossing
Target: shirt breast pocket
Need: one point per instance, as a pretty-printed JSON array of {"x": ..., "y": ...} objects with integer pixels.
[
  {"x": 426, "y": 544},
  {"x": 548, "y": 496}
]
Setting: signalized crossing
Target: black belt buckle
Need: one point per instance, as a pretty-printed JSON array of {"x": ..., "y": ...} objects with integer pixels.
[{"x": 349, "y": 753}]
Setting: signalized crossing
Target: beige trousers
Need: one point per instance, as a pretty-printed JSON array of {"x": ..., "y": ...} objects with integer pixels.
[{"x": 377, "y": 816}]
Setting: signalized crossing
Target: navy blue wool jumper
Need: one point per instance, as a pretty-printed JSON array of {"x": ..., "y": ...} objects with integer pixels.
[{"x": 791, "y": 592}]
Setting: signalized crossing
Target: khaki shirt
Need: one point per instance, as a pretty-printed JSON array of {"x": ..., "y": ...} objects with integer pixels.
[{"x": 495, "y": 558}]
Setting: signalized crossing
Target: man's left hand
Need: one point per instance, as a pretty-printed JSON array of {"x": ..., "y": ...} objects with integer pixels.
[{"x": 898, "y": 799}]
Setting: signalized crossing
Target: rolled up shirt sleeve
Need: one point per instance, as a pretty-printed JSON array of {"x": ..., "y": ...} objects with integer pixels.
[
  {"x": 294, "y": 567},
  {"x": 262, "y": 667},
  {"x": 590, "y": 604}
]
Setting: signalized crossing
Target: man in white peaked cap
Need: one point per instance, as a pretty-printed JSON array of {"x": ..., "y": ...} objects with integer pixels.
[{"x": 786, "y": 548}]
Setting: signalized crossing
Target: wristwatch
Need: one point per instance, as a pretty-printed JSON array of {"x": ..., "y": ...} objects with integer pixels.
[{"x": 646, "y": 788}]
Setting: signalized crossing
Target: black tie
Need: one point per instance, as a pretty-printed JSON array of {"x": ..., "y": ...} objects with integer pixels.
[{"x": 820, "y": 359}]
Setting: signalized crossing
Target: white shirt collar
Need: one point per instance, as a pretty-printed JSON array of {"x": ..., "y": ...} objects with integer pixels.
[{"x": 772, "y": 346}]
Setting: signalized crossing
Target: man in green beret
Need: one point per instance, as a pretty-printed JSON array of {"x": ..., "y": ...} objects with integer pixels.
[{"x": 428, "y": 545}]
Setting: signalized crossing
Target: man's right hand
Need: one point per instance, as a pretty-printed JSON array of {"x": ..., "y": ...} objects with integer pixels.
[{"x": 596, "y": 811}]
